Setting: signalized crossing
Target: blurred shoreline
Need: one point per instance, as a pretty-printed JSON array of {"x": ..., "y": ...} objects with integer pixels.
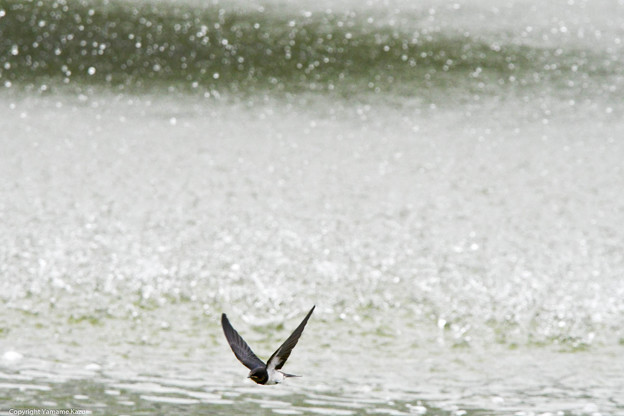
[{"x": 139, "y": 46}]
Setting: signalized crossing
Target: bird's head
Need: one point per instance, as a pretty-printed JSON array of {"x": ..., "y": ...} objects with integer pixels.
[{"x": 259, "y": 375}]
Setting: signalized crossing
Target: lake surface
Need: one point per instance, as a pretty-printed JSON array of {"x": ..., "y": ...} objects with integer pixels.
[{"x": 444, "y": 181}]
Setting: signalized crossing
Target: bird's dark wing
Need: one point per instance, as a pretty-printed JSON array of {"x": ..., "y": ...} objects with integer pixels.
[
  {"x": 240, "y": 348},
  {"x": 280, "y": 356}
]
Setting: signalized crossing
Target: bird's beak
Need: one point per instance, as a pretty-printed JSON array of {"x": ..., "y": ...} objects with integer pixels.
[{"x": 248, "y": 376}]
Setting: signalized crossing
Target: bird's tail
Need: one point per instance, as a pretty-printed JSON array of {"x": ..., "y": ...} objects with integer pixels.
[{"x": 290, "y": 375}]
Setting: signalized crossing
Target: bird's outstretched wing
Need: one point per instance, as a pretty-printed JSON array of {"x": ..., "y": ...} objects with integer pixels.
[
  {"x": 280, "y": 356},
  {"x": 240, "y": 348}
]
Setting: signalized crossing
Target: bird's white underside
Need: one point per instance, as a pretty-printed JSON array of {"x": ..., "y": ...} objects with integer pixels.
[{"x": 275, "y": 376}]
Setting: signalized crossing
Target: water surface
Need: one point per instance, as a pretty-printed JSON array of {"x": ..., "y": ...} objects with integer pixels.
[{"x": 457, "y": 223}]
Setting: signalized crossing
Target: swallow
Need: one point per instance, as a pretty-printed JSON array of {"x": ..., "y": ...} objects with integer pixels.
[{"x": 262, "y": 373}]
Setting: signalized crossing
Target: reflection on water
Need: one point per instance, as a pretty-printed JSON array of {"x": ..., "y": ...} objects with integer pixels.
[
  {"x": 153, "y": 398},
  {"x": 471, "y": 383},
  {"x": 456, "y": 221}
]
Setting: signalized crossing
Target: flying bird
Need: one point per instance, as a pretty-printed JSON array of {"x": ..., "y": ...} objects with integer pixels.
[{"x": 262, "y": 373}]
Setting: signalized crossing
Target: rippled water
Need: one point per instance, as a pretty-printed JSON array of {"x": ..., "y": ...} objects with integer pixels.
[{"x": 458, "y": 226}]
